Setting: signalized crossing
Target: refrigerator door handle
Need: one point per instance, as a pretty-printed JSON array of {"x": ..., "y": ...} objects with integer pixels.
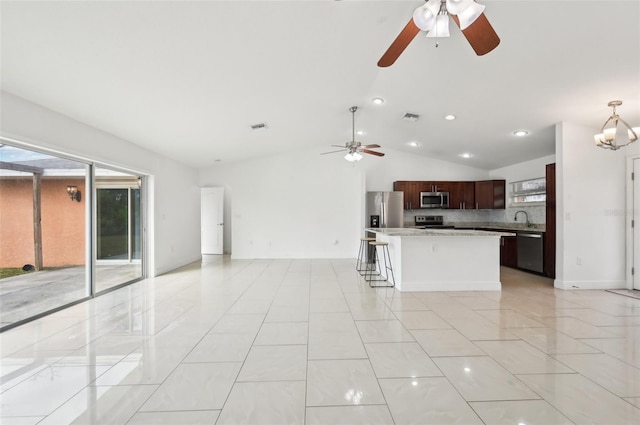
[{"x": 383, "y": 220}]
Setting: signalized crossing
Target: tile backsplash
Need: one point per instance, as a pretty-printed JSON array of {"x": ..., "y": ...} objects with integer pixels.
[{"x": 536, "y": 215}]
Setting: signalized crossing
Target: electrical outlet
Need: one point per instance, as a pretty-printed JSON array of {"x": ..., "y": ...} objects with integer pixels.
[
  {"x": 434, "y": 248},
  {"x": 579, "y": 261}
]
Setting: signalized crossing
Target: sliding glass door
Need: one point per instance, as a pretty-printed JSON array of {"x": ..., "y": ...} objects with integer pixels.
[
  {"x": 118, "y": 228},
  {"x": 68, "y": 230},
  {"x": 43, "y": 233}
]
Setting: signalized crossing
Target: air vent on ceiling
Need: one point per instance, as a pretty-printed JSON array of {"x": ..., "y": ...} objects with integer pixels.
[
  {"x": 410, "y": 117},
  {"x": 260, "y": 126}
]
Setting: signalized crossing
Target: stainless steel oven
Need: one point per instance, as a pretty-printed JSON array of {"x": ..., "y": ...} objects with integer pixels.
[{"x": 434, "y": 199}]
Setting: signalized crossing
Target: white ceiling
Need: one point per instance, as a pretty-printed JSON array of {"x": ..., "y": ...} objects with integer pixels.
[{"x": 187, "y": 79}]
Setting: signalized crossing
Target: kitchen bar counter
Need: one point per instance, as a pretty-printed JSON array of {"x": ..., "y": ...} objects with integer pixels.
[
  {"x": 443, "y": 259},
  {"x": 499, "y": 227},
  {"x": 418, "y": 231}
]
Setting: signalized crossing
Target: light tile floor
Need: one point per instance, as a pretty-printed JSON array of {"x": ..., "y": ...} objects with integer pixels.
[{"x": 307, "y": 342}]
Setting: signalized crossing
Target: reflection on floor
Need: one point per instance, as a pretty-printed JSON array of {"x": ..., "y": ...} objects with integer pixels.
[
  {"x": 308, "y": 342},
  {"x": 29, "y": 294},
  {"x": 633, "y": 293}
]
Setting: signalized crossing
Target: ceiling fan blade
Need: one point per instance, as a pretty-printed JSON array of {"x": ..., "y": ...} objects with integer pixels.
[
  {"x": 372, "y": 152},
  {"x": 480, "y": 34},
  {"x": 339, "y": 146},
  {"x": 399, "y": 44},
  {"x": 370, "y": 146},
  {"x": 326, "y": 153}
]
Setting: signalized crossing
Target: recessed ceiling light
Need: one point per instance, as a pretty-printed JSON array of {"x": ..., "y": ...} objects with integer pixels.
[
  {"x": 466, "y": 155},
  {"x": 449, "y": 117},
  {"x": 520, "y": 133},
  {"x": 414, "y": 144},
  {"x": 377, "y": 100},
  {"x": 360, "y": 132}
]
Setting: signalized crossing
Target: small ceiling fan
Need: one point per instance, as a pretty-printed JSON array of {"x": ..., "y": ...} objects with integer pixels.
[
  {"x": 354, "y": 148},
  {"x": 433, "y": 17}
]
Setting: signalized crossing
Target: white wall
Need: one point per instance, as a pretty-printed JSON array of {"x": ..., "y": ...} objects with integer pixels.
[
  {"x": 175, "y": 198},
  {"x": 590, "y": 210},
  {"x": 296, "y": 205},
  {"x": 523, "y": 170},
  {"x": 517, "y": 172}
]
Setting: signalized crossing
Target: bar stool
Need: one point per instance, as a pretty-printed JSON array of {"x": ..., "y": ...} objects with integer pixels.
[
  {"x": 385, "y": 269},
  {"x": 362, "y": 254}
]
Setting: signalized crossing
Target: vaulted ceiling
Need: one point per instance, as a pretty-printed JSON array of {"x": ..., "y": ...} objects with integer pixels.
[{"x": 187, "y": 79}]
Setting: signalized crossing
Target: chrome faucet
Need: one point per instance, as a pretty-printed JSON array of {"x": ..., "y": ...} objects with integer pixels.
[{"x": 526, "y": 216}]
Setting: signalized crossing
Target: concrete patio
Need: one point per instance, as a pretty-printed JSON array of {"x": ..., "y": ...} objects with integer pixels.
[{"x": 33, "y": 293}]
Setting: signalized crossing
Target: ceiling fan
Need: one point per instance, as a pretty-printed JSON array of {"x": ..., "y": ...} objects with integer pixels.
[
  {"x": 433, "y": 17},
  {"x": 354, "y": 148}
]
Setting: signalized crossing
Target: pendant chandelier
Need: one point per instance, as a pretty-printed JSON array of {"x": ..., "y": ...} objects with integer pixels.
[{"x": 608, "y": 136}]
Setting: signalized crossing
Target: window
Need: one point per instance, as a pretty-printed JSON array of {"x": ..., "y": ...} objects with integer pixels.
[{"x": 529, "y": 192}]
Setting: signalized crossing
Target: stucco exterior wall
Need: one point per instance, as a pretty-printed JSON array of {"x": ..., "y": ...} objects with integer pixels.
[{"x": 63, "y": 222}]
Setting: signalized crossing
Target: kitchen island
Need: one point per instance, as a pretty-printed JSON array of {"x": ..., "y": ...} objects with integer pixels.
[{"x": 443, "y": 259}]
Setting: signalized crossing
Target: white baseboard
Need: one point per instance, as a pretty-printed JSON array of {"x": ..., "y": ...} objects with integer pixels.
[
  {"x": 589, "y": 284},
  {"x": 449, "y": 286}
]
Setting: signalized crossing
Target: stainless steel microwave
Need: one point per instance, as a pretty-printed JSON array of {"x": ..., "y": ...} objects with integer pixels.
[{"x": 434, "y": 199}]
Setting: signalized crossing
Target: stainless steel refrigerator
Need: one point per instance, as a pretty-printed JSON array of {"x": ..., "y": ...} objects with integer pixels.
[{"x": 384, "y": 209}]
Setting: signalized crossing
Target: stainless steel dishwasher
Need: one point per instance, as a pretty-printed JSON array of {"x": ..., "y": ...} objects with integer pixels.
[{"x": 531, "y": 251}]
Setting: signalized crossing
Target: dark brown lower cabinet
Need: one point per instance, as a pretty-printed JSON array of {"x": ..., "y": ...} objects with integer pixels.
[{"x": 509, "y": 251}]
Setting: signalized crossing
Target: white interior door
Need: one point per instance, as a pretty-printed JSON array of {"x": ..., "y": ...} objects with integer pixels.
[
  {"x": 636, "y": 227},
  {"x": 211, "y": 220}
]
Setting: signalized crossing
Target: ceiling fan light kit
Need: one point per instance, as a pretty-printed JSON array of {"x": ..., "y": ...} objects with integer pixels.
[
  {"x": 425, "y": 16},
  {"x": 433, "y": 17},
  {"x": 456, "y": 7},
  {"x": 608, "y": 136},
  {"x": 353, "y": 156},
  {"x": 469, "y": 14},
  {"x": 435, "y": 13},
  {"x": 441, "y": 28}
]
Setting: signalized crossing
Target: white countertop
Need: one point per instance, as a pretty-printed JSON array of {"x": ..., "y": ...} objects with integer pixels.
[{"x": 404, "y": 231}]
